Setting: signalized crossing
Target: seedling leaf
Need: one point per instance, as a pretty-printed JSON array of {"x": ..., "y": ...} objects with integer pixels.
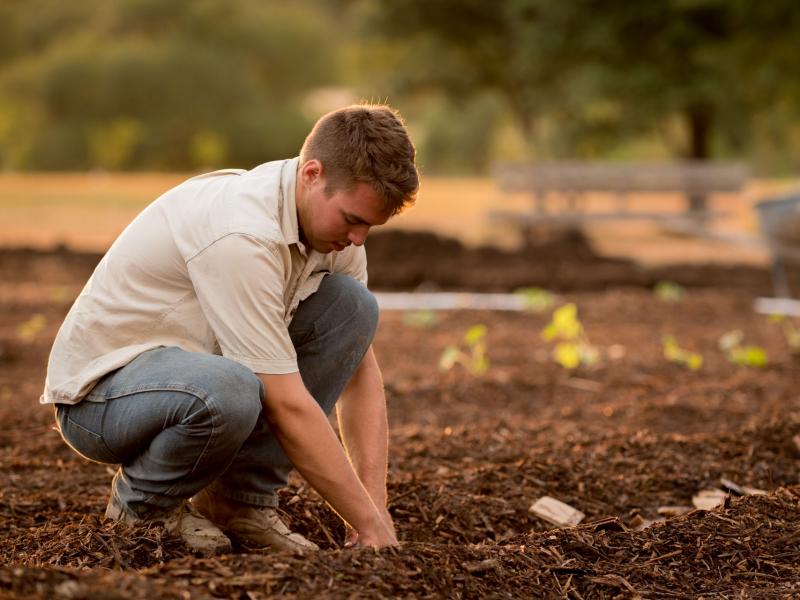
[
  {"x": 730, "y": 340},
  {"x": 28, "y": 330},
  {"x": 449, "y": 358},
  {"x": 749, "y": 356},
  {"x": 475, "y": 334},
  {"x": 674, "y": 353},
  {"x": 669, "y": 291},
  {"x": 536, "y": 299},
  {"x": 423, "y": 319},
  {"x": 567, "y": 355}
]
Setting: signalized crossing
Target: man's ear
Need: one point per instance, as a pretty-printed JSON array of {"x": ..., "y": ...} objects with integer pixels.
[{"x": 311, "y": 171}]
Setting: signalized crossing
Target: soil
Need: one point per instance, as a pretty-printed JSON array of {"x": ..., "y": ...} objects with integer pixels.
[{"x": 469, "y": 453}]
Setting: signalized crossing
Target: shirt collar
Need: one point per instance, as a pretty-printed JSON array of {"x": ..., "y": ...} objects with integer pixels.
[{"x": 289, "y": 225}]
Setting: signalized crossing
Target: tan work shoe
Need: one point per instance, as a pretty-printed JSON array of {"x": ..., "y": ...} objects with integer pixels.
[
  {"x": 198, "y": 533},
  {"x": 259, "y": 526}
]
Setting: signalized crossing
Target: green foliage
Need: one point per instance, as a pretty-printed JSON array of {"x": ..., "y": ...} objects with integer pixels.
[
  {"x": 473, "y": 358},
  {"x": 158, "y": 84},
  {"x": 669, "y": 291},
  {"x": 572, "y": 348},
  {"x": 674, "y": 353},
  {"x": 423, "y": 319},
  {"x": 738, "y": 353},
  {"x": 536, "y": 299},
  {"x": 28, "y": 330},
  {"x": 580, "y": 78}
]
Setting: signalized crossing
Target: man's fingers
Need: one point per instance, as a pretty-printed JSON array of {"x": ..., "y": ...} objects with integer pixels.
[{"x": 350, "y": 538}]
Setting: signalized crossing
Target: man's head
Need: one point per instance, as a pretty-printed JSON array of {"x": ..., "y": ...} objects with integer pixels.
[{"x": 356, "y": 170}]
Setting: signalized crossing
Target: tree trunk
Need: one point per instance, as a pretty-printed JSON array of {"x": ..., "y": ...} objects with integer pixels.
[{"x": 699, "y": 120}]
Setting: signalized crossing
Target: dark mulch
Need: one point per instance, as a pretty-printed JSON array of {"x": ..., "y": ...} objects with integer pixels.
[{"x": 469, "y": 456}]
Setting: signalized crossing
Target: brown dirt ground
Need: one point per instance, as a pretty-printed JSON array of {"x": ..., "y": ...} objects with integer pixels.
[{"x": 469, "y": 454}]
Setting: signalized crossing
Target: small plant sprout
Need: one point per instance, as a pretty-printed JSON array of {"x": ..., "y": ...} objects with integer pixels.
[
  {"x": 473, "y": 358},
  {"x": 536, "y": 299},
  {"x": 573, "y": 348},
  {"x": 669, "y": 291},
  {"x": 421, "y": 319},
  {"x": 791, "y": 332},
  {"x": 674, "y": 353},
  {"x": 28, "y": 330},
  {"x": 737, "y": 353}
]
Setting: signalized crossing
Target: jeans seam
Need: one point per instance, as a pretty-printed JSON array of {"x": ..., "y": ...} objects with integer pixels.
[
  {"x": 197, "y": 393},
  {"x": 210, "y": 406},
  {"x": 100, "y": 437}
]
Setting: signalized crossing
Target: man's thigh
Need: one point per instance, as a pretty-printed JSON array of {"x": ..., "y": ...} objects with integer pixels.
[{"x": 161, "y": 388}]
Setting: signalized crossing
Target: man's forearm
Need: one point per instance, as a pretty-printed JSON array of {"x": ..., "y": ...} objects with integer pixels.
[
  {"x": 310, "y": 443},
  {"x": 364, "y": 428}
]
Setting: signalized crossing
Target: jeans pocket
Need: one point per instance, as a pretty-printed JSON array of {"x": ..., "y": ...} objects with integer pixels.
[{"x": 85, "y": 442}]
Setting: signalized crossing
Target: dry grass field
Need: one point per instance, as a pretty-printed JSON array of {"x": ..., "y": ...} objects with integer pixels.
[{"x": 87, "y": 211}]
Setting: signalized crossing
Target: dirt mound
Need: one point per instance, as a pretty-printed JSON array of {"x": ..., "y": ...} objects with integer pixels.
[{"x": 561, "y": 260}]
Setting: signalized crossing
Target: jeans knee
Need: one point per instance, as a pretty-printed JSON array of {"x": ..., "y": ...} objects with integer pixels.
[
  {"x": 358, "y": 306},
  {"x": 236, "y": 393}
]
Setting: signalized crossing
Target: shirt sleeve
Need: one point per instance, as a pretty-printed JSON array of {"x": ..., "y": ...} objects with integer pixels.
[
  {"x": 239, "y": 283},
  {"x": 353, "y": 262}
]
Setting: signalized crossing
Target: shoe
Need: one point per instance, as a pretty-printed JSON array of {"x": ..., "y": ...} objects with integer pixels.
[
  {"x": 198, "y": 533},
  {"x": 259, "y": 526}
]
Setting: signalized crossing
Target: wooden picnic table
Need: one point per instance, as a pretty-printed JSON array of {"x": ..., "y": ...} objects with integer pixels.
[{"x": 558, "y": 189}]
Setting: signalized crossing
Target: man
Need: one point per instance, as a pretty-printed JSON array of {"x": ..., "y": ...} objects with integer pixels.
[{"x": 221, "y": 327}]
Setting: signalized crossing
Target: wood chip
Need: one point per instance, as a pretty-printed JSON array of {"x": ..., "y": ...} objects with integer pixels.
[
  {"x": 484, "y": 565},
  {"x": 674, "y": 511},
  {"x": 607, "y": 524},
  {"x": 556, "y": 512},
  {"x": 709, "y": 499},
  {"x": 751, "y": 491},
  {"x": 639, "y": 523},
  {"x": 731, "y": 487}
]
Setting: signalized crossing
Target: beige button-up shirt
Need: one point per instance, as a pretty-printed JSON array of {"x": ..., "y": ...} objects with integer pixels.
[{"x": 214, "y": 265}]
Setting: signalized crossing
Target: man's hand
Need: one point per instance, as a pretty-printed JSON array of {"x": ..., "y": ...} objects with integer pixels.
[
  {"x": 305, "y": 434},
  {"x": 352, "y": 539}
]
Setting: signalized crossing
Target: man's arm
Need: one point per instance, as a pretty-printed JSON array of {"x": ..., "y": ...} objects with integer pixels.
[
  {"x": 362, "y": 421},
  {"x": 310, "y": 443}
]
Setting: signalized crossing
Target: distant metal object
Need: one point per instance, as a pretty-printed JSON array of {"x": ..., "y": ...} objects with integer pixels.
[
  {"x": 572, "y": 179},
  {"x": 775, "y": 216},
  {"x": 451, "y": 301},
  {"x": 777, "y": 306}
]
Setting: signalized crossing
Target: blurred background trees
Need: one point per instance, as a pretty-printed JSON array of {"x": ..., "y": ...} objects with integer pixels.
[{"x": 170, "y": 84}]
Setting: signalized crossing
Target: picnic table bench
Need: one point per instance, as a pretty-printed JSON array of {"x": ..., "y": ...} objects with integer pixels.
[{"x": 558, "y": 189}]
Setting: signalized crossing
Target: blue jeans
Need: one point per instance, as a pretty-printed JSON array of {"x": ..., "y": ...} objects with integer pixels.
[{"x": 179, "y": 421}]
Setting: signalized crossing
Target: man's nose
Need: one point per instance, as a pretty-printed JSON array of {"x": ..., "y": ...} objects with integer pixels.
[{"x": 358, "y": 235}]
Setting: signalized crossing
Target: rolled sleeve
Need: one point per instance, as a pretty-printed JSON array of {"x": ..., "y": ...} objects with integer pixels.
[{"x": 239, "y": 282}]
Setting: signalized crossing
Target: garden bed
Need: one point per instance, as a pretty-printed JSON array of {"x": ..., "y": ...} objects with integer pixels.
[{"x": 469, "y": 455}]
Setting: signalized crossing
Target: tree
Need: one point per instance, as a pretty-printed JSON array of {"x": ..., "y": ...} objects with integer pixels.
[
  {"x": 157, "y": 83},
  {"x": 609, "y": 69}
]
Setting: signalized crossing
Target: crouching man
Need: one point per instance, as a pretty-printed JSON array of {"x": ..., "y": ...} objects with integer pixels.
[{"x": 218, "y": 332}]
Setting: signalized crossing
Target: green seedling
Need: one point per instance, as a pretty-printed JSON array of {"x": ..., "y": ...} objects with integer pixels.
[
  {"x": 674, "y": 353},
  {"x": 739, "y": 354},
  {"x": 536, "y": 299},
  {"x": 790, "y": 332},
  {"x": 28, "y": 330},
  {"x": 473, "y": 358},
  {"x": 61, "y": 295},
  {"x": 573, "y": 348},
  {"x": 669, "y": 291},
  {"x": 421, "y": 319}
]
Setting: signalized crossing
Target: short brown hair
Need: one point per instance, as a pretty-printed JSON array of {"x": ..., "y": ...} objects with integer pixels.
[{"x": 365, "y": 143}]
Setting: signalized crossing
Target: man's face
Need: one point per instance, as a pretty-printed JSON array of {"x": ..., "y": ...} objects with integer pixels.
[{"x": 331, "y": 223}]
